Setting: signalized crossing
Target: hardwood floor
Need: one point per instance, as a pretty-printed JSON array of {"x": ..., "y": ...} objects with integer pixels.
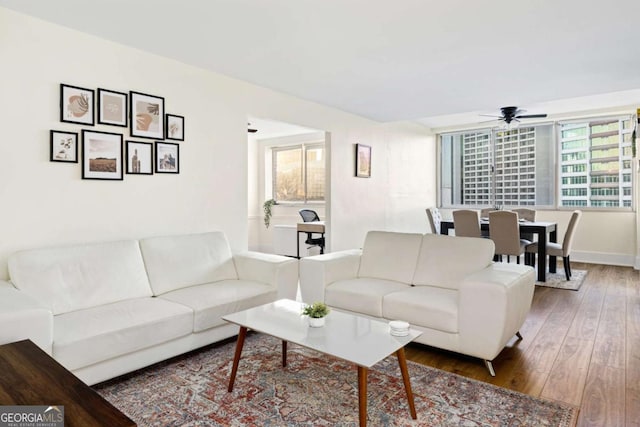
[{"x": 579, "y": 347}]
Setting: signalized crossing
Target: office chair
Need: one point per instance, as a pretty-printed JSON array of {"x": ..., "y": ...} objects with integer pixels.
[{"x": 309, "y": 215}]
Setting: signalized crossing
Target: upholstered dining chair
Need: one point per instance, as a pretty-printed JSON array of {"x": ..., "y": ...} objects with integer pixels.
[
  {"x": 434, "y": 219},
  {"x": 466, "y": 223},
  {"x": 504, "y": 230},
  {"x": 527, "y": 215},
  {"x": 563, "y": 249}
]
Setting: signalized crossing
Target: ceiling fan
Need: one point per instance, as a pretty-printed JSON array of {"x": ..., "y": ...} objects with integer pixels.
[
  {"x": 510, "y": 114},
  {"x": 251, "y": 130}
]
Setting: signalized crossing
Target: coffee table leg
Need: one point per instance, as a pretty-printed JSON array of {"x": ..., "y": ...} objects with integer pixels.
[
  {"x": 402, "y": 360},
  {"x": 236, "y": 358},
  {"x": 284, "y": 354},
  {"x": 362, "y": 395}
]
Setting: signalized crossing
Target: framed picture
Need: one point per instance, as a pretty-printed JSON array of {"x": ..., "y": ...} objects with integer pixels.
[
  {"x": 175, "y": 127},
  {"x": 167, "y": 157},
  {"x": 363, "y": 161},
  {"x": 112, "y": 108},
  {"x": 147, "y": 114},
  {"x": 101, "y": 155},
  {"x": 64, "y": 146},
  {"x": 76, "y": 105},
  {"x": 139, "y": 158}
]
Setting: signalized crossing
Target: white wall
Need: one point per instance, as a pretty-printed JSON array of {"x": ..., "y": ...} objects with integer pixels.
[{"x": 48, "y": 204}]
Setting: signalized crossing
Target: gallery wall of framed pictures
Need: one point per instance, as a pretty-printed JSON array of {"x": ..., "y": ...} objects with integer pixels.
[{"x": 105, "y": 155}]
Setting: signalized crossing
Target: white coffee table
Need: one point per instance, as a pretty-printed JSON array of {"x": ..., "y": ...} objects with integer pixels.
[{"x": 356, "y": 339}]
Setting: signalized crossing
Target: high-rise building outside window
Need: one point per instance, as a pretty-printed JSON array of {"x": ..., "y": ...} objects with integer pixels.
[
  {"x": 595, "y": 163},
  {"x": 492, "y": 167}
]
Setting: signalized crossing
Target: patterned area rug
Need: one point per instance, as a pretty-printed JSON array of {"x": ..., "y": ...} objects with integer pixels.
[
  {"x": 559, "y": 280},
  {"x": 314, "y": 390}
]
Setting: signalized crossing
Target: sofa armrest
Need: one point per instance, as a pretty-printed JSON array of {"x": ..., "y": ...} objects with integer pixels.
[
  {"x": 279, "y": 271},
  {"x": 493, "y": 305},
  {"x": 22, "y": 317},
  {"x": 316, "y": 272}
]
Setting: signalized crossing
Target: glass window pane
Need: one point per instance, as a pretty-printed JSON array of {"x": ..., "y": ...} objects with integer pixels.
[
  {"x": 315, "y": 174},
  {"x": 288, "y": 174}
]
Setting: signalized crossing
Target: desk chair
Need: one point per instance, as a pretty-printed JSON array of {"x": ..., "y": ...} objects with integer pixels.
[{"x": 309, "y": 215}]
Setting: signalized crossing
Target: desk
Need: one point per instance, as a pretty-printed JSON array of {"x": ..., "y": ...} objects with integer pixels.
[
  {"x": 309, "y": 227},
  {"x": 31, "y": 377},
  {"x": 540, "y": 228}
]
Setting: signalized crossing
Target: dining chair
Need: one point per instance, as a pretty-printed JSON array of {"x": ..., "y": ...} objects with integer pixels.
[
  {"x": 563, "y": 249},
  {"x": 527, "y": 215},
  {"x": 504, "y": 230},
  {"x": 484, "y": 212},
  {"x": 433, "y": 214},
  {"x": 466, "y": 223}
]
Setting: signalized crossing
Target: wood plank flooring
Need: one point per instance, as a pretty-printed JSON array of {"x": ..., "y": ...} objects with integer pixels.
[{"x": 579, "y": 347}]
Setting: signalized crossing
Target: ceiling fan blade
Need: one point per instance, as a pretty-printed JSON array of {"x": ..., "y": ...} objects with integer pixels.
[
  {"x": 489, "y": 115},
  {"x": 530, "y": 116}
]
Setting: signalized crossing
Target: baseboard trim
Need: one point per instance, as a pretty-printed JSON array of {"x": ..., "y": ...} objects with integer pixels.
[{"x": 623, "y": 260}]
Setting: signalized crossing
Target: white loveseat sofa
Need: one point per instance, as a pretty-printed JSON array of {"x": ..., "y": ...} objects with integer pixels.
[
  {"x": 448, "y": 287},
  {"x": 105, "y": 309}
]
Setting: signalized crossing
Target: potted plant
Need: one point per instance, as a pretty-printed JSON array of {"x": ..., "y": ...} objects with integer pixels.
[
  {"x": 316, "y": 312},
  {"x": 267, "y": 206}
]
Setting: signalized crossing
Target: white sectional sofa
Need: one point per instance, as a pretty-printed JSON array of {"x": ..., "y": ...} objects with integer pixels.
[
  {"x": 104, "y": 309},
  {"x": 448, "y": 287}
]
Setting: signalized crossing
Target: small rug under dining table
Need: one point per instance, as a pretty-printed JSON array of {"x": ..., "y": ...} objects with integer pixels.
[{"x": 314, "y": 390}]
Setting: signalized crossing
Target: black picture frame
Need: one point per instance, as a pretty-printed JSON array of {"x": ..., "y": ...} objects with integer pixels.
[
  {"x": 363, "y": 161},
  {"x": 174, "y": 127},
  {"x": 102, "y": 155},
  {"x": 139, "y": 163},
  {"x": 63, "y": 146},
  {"x": 112, "y": 108},
  {"x": 77, "y": 105},
  {"x": 167, "y": 157},
  {"x": 146, "y": 115}
]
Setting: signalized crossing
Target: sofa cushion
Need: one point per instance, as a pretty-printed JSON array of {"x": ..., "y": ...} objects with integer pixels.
[
  {"x": 83, "y": 276},
  {"x": 363, "y": 295},
  {"x": 213, "y": 300},
  {"x": 444, "y": 261},
  {"x": 390, "y": 256},
  {"x": 426, "y": 306},
  {"x": 175, "y": 262},
  {"x": 84, "y": 337}
]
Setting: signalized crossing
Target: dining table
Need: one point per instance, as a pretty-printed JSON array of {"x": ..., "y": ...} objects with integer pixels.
[{"x": 545, "y": 230}]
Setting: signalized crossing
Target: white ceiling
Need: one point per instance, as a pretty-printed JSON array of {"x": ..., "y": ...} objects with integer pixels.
[{"x": 385, "y": 60}]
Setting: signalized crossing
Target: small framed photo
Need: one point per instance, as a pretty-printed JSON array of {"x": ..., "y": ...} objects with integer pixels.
[
  {"x": 147, "y": 115},
  {"x": 175, "y": 127},
  {"x": 76, "y": 105},
  {"x": 112, "y": 108},
  {"x": 139, "y": 158},
  {"x": 64, "y": 146},
  {"x": 167, "y": 157},
  {"x": 101, "y": 155},
  {"x": 363, "y": 161}
]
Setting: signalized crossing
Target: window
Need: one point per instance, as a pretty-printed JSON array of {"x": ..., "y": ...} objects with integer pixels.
[
  {"x": 499, "y": 167},
  {"x": 591, "y": 159},
  {"x": 298, "y": 173},
  {"x": 596, "y": 172}
]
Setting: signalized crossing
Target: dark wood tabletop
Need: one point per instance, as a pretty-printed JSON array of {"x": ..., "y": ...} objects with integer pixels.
[
  {"x": 546, "y": 232},
  {"x": 29, "y": 376}
]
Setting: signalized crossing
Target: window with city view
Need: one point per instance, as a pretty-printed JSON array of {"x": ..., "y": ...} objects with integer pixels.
[
  {"x": 515, "y": 167},
  {"x": 298, "y": 173}
]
